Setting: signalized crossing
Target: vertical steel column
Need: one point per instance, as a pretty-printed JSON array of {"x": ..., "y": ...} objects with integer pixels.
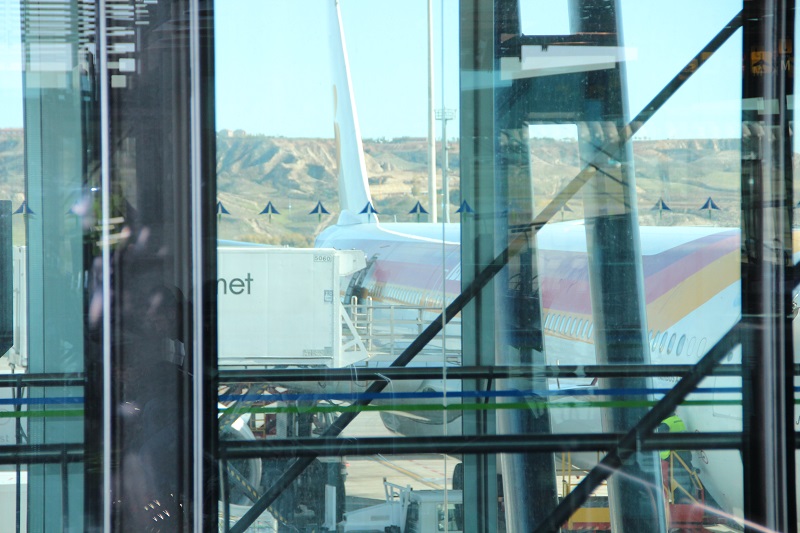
[
  {"x": 158, "y": 160},
  {"x": 767, "y": 201},
  {"x": 527, "y": 477},
  {"x": 478, "y": 248},
  {"x": 18, "y": 464},
  {"x": 6, "y": 279},
  {"x": 54, "y": 176},
  {"x": 615, "y": 272},
  {"x": 204, "y": 274}
]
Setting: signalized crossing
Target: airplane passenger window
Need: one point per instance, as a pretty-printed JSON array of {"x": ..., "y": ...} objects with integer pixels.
[
  {"x": 576, "y": 327},
  {"x": 567, "y": 324},
  {"x": 655, "y": 341},
  {"x": 690, "y": 349},
  {"x": 547, "y": 319},
  {"x": 701, "y": 348},
  {"x": 663, "y": 342},
  {"x": 585, "y": 333},
  {"x": 671, "y": 343},
  {"x": 591, "y": 330},
  {"x": 681, "y": 342}
]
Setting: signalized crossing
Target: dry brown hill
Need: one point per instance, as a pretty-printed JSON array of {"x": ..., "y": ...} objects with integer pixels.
[{"x": 296, "y": 173}]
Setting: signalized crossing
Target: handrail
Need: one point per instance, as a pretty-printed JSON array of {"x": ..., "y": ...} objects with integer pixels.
[
  {"x": 675, "y": 485},
  {"x": 71, "y": 379},
  {"x": 386, "y": 328}
]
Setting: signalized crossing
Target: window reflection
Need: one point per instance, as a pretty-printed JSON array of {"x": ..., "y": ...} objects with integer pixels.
[{"x": 609, "y": 198}]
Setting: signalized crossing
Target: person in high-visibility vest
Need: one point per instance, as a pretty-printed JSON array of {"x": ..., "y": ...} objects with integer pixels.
[{"x": 680, "y": 473}]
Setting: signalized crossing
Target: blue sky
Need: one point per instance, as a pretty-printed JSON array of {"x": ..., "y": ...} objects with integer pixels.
[
  {"x": 10, "y": 65},
  {"x": 273, "y": 73}
]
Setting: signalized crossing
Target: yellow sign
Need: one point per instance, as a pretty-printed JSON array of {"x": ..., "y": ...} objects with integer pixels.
[
  {"x": 760, "y": 63},
  {"x": 765, "y": 62}
]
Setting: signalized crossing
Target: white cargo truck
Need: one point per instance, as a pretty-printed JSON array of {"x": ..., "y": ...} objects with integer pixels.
[
  {"x": 409, "y": 511},
  {"x": 282, "y": 306}
]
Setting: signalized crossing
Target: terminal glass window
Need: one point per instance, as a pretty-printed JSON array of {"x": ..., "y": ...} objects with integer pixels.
[{"x": 397, "y": 266}]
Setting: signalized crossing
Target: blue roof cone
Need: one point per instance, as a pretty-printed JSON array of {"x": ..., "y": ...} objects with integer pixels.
[
  {"x": 418, "y": 210},
  {"x": 465, "y": 208},
  {"x": 710, "y": 205},
  {"x": 221, "y": 211},
  {"x": 661, "y": 205},
  {"x": 23, "y": 209},
  {"x": 368, "y": 210},
  {"x": 319, "y": 210},
  {"x": 269, "y": 210}
]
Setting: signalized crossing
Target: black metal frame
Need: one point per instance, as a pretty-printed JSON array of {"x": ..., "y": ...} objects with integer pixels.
[
  {"x": 472, "y": 444},
  {"x": 283, "y": 375},
  {"x": 620, "y": 446}
]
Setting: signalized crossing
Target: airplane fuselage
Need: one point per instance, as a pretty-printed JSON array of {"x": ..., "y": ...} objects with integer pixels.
[{"x": 692, "y": 298}]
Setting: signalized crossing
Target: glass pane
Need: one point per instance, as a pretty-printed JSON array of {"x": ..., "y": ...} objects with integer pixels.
[
  {"x": 554, "y": 246},
  {"x": 13, "y": 280},
  {"x": 335, "y": 254},
  {"x": 630, "y": 151},
  {"x": 96, "y": 267}
]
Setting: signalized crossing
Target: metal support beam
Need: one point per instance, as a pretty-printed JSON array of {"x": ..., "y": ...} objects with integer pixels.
[
  {"x": 41, "y": 454},
  {"x": 615, "y": 271},
  {"x": 69, "y": 379},
  {"x": 6, "y": 279},
  {"x": 471, "y": 445},
  {"x": 767, "y": 204},
  {"x": 529, "y": 476},
  {"x": 479, "y": 244},
  {"x": 281, "y": 375}
]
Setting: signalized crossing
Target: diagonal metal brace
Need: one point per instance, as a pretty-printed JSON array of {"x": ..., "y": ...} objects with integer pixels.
[{"x": 631, "y": 441}]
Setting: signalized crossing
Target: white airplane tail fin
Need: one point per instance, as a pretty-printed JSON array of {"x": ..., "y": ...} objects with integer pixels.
[{"x": 354, "y": 196}]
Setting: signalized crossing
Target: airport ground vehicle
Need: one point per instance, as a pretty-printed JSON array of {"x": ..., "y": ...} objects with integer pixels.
[{"x": 408, "y": 511}]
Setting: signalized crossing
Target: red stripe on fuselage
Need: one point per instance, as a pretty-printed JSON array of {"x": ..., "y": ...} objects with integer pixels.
[{"x": 565, "y": 275}]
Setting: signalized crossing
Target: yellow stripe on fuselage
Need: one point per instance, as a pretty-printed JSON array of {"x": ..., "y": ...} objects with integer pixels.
[{"x": 674, "y": 305}]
